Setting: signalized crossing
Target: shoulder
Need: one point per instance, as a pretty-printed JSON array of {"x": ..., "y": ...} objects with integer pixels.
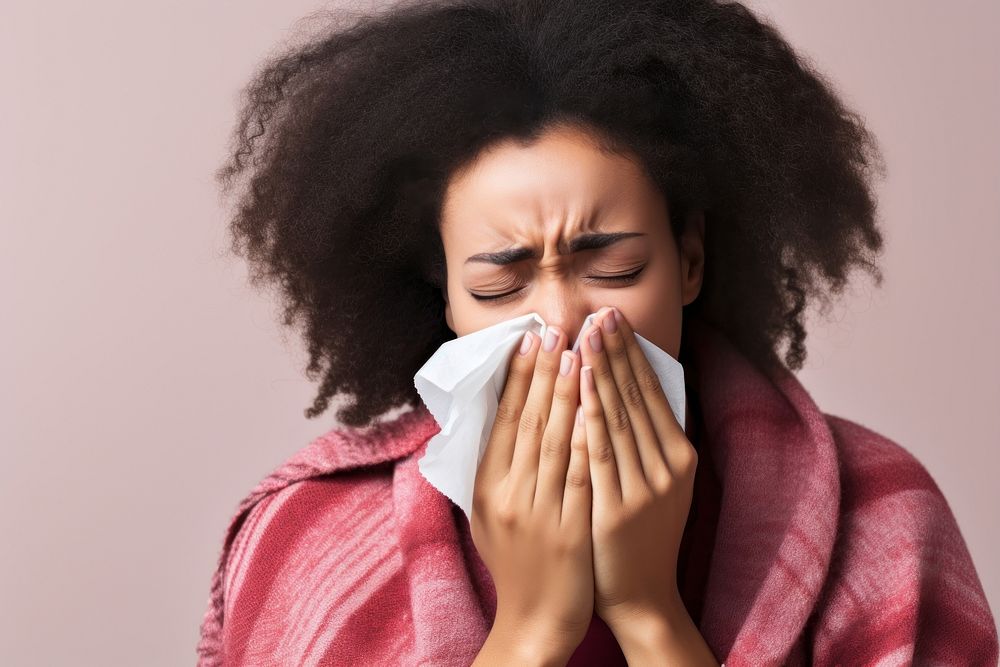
[
  {"x": 889, "y": 500},
  {"x": 337, "y": 485},
  {"x": 901, "y": 577},
  {"x": 315, "y": 535},
  {"x": 310, "y": 564},
  {"x": 307, "y": 567},
  {"x": 875, "y": 468},
  {"x": 312, "y": 513}
]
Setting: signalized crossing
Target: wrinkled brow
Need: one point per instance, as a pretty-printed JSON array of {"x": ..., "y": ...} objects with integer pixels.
[{"x": 582, "y": 242}]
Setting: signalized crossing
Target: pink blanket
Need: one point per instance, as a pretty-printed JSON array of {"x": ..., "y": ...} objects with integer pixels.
[{"x": 811, "y": 540}]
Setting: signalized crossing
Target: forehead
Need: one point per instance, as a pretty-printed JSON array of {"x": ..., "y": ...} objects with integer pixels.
[{"x": 558, "y": 186}]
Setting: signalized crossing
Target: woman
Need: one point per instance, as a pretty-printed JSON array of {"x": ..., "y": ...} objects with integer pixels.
[{"x": 434, "y": 169}]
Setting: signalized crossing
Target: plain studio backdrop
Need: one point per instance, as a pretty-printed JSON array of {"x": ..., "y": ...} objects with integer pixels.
[{"x": 146, "y": 388}]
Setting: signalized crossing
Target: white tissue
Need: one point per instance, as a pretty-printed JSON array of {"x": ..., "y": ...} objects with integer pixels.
[{"x": 461, "y": 385}]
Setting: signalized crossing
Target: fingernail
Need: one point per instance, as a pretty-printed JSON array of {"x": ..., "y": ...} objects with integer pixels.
[
  {"x": 566, "y": 363},
  {"x": 618, "y": 316},
  {"x": 610, "y": 325},
  {"x": 595, "y": 341},
  {"x": 551, "y": 336},
  {"x": 525, "y": 343}
]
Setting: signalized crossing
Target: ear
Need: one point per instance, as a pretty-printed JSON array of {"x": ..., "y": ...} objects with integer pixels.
[{"x": 692, "y": 259}]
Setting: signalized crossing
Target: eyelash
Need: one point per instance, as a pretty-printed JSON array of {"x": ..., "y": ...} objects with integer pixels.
[{"x": 627, "y": 278}]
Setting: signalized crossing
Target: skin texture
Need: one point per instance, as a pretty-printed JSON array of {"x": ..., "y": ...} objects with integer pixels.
[
  {"x": 566, "y": 498},
  {"x": 539, "y": 197},
  {"x": 531, "y": 512}
]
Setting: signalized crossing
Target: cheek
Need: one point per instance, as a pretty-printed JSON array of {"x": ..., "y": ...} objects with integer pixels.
[
  {"x": 653, "y": 308},
  {"x": 469, "y": 317}
]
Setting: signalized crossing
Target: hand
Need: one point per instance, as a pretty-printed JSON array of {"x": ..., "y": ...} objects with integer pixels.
[
  {"x": 642, "y": 469},
  {"x": 531, "y": 504}
]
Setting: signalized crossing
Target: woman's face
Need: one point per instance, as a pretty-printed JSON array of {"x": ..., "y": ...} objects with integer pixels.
[{"x": 557, "y": 228}]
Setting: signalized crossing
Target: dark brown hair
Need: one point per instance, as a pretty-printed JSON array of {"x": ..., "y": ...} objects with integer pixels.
[{"x": 345, "y": 144}]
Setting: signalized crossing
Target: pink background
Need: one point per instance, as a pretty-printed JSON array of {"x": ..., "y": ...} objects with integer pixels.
[{"x": 146, "y": 389}]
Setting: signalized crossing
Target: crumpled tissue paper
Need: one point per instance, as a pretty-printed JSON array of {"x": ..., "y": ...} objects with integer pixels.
[{"x": 461, "y": 385}]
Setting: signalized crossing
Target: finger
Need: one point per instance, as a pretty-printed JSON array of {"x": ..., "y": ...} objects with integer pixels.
[
  {"x": 534, "y": 418},
  {"x": 673, "y": 441},
  {"x": 496, "y": 460},
  {"x": 600, "y": 452},
  {"x": 653, "y": 461},
  {"x": 615, "y": 414},
  {"x": 554, "y": 456},
  {"x": 578, "y": 495}
]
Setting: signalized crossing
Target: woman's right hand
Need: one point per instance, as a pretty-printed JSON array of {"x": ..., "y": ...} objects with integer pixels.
[{"x": 532, "y": 504}]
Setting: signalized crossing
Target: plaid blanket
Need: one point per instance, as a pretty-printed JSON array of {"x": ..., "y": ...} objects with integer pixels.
[{"x": 811, "y": 540}]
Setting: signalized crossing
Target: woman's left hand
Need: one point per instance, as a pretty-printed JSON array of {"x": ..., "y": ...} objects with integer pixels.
[{"x": 642, "y": 468}]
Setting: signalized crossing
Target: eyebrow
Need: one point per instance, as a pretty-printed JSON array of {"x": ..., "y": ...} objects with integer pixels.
[{"x": 583, "y": 242}]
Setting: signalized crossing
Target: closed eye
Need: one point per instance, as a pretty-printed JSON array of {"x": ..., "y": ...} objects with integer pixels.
[{"x": 623, "y": 279}]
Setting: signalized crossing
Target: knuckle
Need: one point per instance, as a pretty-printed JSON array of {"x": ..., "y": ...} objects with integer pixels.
[
  {"x": 603, "y": 371},
  {"x": 662, "y": 483},
  {"x": 617, "y": 418},
  {"x": 520, "y": 370},
  {"x": 531, "y": 425},
  {"x": 631, "y": 392},
  {"x": 563, "y": 393},
  {"x": 506, "y": 518},
  {"x": 577, "y": 478},
  {"x": 505, "y": 514},
  {"x": 507, "y": 413},
  {"x": 546, "y": 366},
  {"x": 687, "y": 460},
  {"x": 649, "y": 381},
  {"x": 551, "y": 447},
  {"x": 602, "y": 452}
]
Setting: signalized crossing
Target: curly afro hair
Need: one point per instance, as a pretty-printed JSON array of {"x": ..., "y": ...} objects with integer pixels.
[{"x": 345, "y": 143}]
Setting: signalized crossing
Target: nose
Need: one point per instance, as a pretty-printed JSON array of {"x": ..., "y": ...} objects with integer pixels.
[{"x": 567, "y": 315}]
